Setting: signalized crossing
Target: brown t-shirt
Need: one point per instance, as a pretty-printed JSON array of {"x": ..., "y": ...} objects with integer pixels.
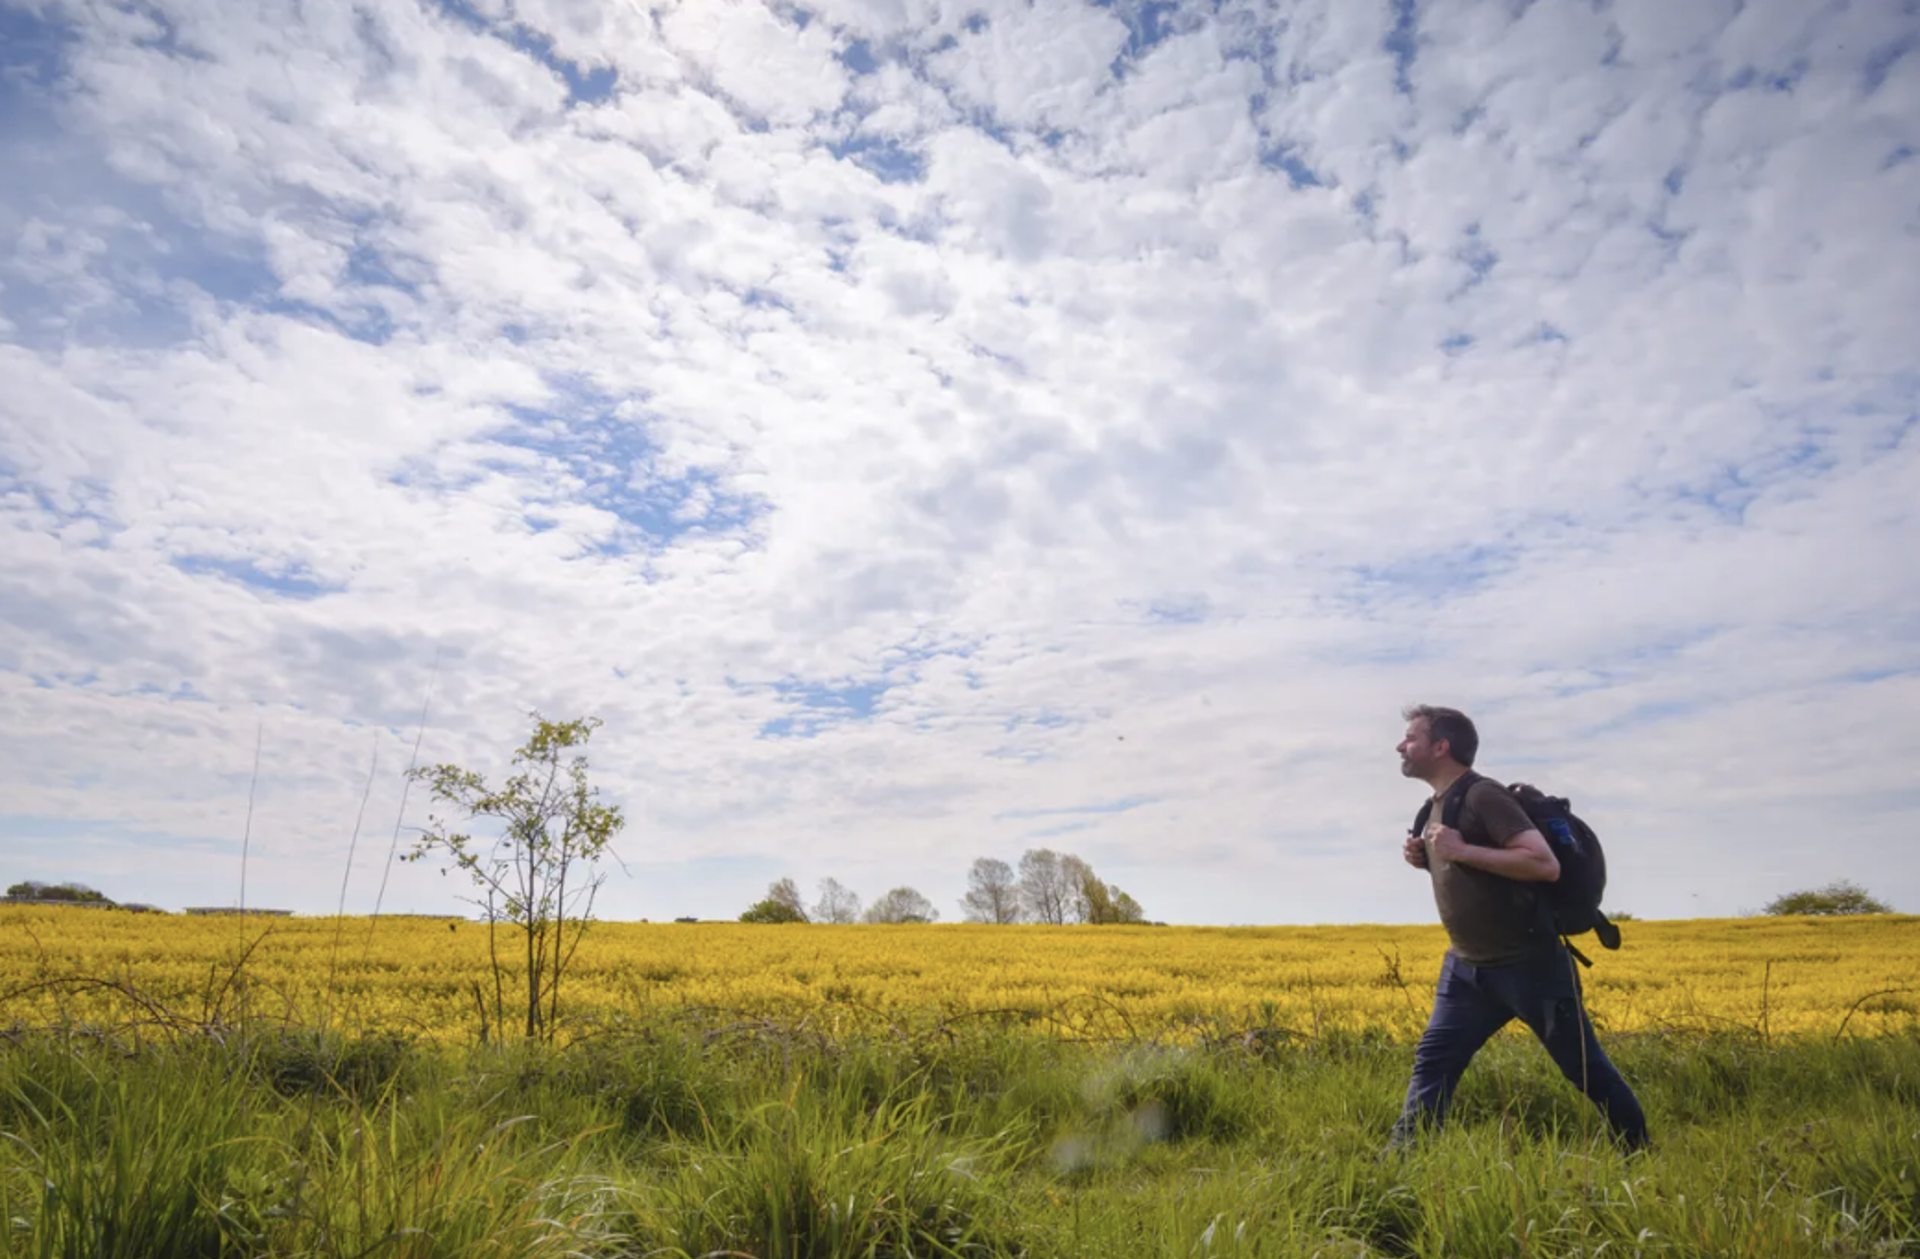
[{"x": 1492, "y": 921}]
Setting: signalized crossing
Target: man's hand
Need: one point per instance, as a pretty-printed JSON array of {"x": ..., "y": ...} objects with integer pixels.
[
  {"x": 1448, "y": 844},
  {"x": 1416, "y": 852}
]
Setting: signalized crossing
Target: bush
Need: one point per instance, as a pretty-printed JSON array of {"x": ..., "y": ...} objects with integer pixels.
[
  {"x": 302, "y": 1061},
  {"x": 771, "y": 910},
  {"x": 1835, "y": 898},
  {"x": 782, "y": 904}
]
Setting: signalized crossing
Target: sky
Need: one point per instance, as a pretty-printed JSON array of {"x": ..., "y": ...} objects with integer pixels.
[{"x": 922, "y": 431}]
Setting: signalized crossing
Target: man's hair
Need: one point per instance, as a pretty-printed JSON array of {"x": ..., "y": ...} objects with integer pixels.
[{"x": 1452, "y": 725}]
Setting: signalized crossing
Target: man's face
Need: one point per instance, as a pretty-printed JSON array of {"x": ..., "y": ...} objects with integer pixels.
[{"x": 1419, "y": 754}]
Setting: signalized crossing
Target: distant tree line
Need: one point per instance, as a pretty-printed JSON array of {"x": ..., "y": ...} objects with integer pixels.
[
  {"x": 1048, "y": 887},
  {"x": 837, "y": 903},
  {"x": 34, "y": 890},
  {"x": 70, "y": 893}
]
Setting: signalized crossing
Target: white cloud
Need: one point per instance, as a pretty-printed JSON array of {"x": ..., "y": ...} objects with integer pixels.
[
  {"x": 774, "y": 70},
  {"x": 903, "y": 423},
  {"x": 1031, "y": 66}
]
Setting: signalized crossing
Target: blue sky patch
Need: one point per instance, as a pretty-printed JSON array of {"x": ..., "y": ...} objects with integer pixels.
[
  {"x": 375, "y": 268},
  {"x": 1149, "y": 23},
  {"x": 1479, "y": 257},
  {"x": 610, "y": 461},
  {"x": 168, "y": 40},
  {"x": 1729, "y": 490},
  {"x": 1022, "y": 755},
  {"x": 1286, "y": 159},
  {"x": 586, "y": 85},
  {"x": 1881, "y": 63},
  {"x": 33, "y": 55},
  {"x": 1178, "y": 610},
  {"x": 366, "y": 323},
  {"x": 92, "y": 496},
  {"x": 816, "y": 707},
  {"x": 49, "y": 681},
  {"x": 295, "y": 583},
  {"x": 1041, "y": 720},
  {"x": 1435, "y": 577},
  {"x": 858, "y": 57},
  {"x": 1648, "y": 714},
  {"x": 1102, "y": 808},
  {"x": 1402, "y": 43},
  {"x": 1058, "y": 829},
  {"x": 1670, "y": 238},
  {"x": 887, "y": 160}
]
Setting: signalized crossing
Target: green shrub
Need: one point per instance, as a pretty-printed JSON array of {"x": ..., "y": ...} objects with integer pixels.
[
  {"x": 1840, "y": 897},
  {"x": 302, "y": 1061},
  {"x": 771, "y": 910}
]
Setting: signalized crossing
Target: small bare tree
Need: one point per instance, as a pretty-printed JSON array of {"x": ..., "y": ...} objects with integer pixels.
[
  {"x": 902, "y": 904},
  {"x": 992, "y": 893},
  {"x": 539, "y": 872},
  {"x": 837, "y": 903},
  {"x": 1047, "y": 888}
]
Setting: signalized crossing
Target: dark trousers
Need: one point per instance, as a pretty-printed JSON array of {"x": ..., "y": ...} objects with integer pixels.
[{"x": 1473, "y": 1002}]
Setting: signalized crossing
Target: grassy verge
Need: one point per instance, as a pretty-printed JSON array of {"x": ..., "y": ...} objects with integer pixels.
[{"x": 685, "y": 1139}]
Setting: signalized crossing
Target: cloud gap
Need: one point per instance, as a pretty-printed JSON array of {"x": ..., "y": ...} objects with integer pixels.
[
  {"x": 814, "y": 708},
  {"x": 888, "y": 160},
  {"x": 1880, "y": 65},
  {"x": 291, "y": 581},
  {"x": 1149, "y": 24},
  {"x": 33, "y": 58},
  {"x": 609, "y": 461},
  {"x": 1402, "y": 43},
  {"x": 590, "y": 85}
]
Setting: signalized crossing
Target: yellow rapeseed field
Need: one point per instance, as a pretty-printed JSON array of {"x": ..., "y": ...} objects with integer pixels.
[{"x": 1771, "y": 976}]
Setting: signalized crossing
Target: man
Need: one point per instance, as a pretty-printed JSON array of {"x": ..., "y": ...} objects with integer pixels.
[{"x": 1506, "y": 961}]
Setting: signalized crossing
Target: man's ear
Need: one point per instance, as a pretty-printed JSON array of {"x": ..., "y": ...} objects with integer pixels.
[{"x": 1443, "y": 747}]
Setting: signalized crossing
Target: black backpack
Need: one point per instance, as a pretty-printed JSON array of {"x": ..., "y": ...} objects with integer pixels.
[{"x": 1574, "y": 898}]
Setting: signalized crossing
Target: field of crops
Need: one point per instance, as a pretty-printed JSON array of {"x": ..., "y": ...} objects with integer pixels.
[
  {"x": 1776, "y": 977},
  {"x": 1001, "y": 1093}
]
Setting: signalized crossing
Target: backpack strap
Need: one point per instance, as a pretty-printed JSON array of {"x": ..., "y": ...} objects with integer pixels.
[
  {"x": 1450, "y": 804},
  {"x": 1456, "y": 799}
]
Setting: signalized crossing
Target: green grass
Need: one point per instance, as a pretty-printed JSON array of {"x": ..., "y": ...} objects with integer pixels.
[{"x": 683, "y": 1140}]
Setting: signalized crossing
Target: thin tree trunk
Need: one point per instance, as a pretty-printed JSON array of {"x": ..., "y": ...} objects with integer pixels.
[
  {"x": 493, "y": 953},
  {"x": 553, "y": 985},
  {"x": 559, "y": 930},
  {"x": 529, "y": 885}
]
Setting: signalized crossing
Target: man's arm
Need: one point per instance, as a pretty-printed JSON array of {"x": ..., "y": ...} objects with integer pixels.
[{"x": 1524, "y": 858}]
